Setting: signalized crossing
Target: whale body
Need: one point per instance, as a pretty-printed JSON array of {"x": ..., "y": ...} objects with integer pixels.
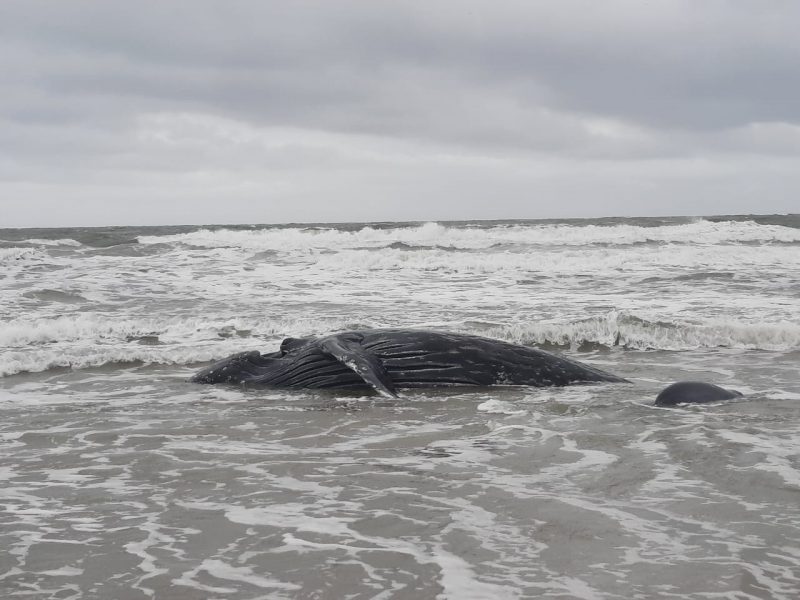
[
  {"x": 386, "y": 360},
  {"x": 693, "y": 392}
]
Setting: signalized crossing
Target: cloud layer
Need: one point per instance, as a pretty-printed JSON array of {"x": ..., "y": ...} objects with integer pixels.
[{"x": 200, "y": 112}]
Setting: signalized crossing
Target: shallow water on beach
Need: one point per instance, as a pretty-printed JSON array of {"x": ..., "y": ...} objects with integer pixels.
[{"x": 121, "y": 480}]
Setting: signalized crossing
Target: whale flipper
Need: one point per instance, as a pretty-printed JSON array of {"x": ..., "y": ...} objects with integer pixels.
[{"x": 347, "y": 349}]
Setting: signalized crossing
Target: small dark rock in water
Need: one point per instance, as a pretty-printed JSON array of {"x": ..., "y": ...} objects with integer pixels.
[
  {"x": 693, "y": 392},
  {"x": 145, "y": 340}
]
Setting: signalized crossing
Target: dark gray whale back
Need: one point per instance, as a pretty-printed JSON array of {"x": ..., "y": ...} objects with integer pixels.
[
  {"x": 693, "y": 392},
  {"x": 386, "y": 360}
]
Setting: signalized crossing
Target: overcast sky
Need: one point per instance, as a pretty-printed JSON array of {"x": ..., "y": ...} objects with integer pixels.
[{"x": 170, "y": 112}]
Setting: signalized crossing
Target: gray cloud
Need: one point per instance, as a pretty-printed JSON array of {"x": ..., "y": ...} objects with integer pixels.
[{"x": 527, "y": 108}]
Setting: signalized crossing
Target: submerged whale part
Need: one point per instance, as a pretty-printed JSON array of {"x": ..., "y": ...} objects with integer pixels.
[
  {"x": 386, "y": 360},
  {"x": 693, "y": 392}
]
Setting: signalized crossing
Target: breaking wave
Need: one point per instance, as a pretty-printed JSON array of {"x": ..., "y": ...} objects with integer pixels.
[
  {"x": 8, "y": 256},
  {"x": 83, "y": 341},
  {"x": 632, "y": 332}
]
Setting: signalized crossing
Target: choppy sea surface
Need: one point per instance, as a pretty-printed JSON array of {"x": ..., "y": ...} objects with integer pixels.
[{"x": 121, "y": 480}]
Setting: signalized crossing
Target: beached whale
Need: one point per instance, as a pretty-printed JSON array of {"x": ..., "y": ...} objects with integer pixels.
[
  {"x": 390, "y": 359},
  {"x": 693, "y": 392}
]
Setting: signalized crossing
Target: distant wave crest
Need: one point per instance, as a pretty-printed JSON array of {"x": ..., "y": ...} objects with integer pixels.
[{"x": 435, "y": 235}]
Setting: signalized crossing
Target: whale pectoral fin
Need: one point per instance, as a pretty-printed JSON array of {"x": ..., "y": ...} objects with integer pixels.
[{"x": 353, "y": 355}]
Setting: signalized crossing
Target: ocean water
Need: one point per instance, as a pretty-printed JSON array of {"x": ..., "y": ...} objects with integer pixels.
[{"x": 121, "y": 480}]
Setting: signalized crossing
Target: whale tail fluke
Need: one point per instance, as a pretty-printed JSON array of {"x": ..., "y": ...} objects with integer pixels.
[{"x": 694, "y": 392}]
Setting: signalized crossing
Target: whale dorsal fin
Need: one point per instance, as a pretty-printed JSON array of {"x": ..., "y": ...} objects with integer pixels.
[
  {"x": 291, "y": 344},
  {"x": 347, "y": 349}
]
